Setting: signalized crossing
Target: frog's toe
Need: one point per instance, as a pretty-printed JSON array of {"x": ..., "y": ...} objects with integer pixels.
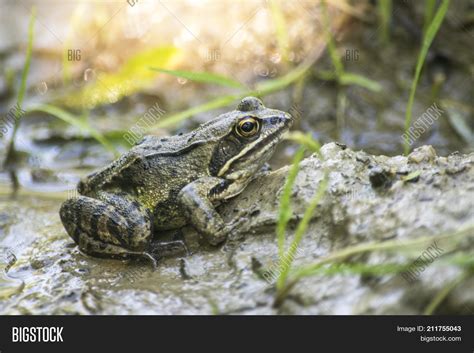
[
  {"x": 98, "y": 248},
  {"x": 151, "y": 258},
  {"x": 220, "y": 236},
  {"x": 169, "y": 248}
]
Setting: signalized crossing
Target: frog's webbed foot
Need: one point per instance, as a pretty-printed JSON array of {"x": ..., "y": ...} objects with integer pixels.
[{"x": 111, "y": 226}]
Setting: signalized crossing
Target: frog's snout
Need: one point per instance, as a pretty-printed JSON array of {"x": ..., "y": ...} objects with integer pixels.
[{"x": 282, "y": 120}]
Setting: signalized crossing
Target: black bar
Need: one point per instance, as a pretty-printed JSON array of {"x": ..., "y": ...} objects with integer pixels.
[{"x": 291, "y": 333}]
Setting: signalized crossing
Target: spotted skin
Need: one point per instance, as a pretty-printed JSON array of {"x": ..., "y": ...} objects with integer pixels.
[{"x": 113, "y": 224}]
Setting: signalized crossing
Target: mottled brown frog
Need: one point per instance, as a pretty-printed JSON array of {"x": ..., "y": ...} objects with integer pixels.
[{"x": 166, "y": 183}]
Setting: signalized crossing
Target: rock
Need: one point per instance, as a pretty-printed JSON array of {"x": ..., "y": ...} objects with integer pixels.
[
  {"x": 380, "y": 177},
  {"x": 422, "y": 154}
]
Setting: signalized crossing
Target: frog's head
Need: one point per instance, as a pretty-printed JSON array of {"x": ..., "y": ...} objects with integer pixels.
[{"x": 249, "y": 136}]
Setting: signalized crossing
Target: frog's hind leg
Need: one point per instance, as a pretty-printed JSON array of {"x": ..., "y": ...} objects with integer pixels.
[{"x": 110, "y": 226}]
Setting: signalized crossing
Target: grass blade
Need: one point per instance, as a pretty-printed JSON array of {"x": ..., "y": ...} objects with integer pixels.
[
  {"x": 443, "y": 293},
  {"x": 260, "y": 90},
  {"x": 427, "y": 40},
  {"x": 21, "y": 92},
  {"x": 269, "y": 86},
  {"x": 304, "y": 140},
  {"x": 385, "y": 11},
  {"x": 339, "y": 73},
  {"x": 354, "y": 79},
  {"x": 26, "y": 67},
  {"x": 430, "y": 6},
  {"x": 131, "y": 77},
  {"x": 219, "y": 102},
  {"x": 336, "y": 60},
  {"x": 280, "y": 28},
  {"x": 363, "y": 269},
  {"x": 287, "y": 260},
  {"x": 412, "y": 176},
  {"x": 389, "y": 245},
  {"x": 72, "y": 120},
  {"x": 461, "y": 127},
  {"x": 285, "y": 211},
  {"x": 205, "y": 77}
]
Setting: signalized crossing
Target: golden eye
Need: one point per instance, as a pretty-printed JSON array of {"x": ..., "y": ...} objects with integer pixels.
[{"x": 248, "y": 127}]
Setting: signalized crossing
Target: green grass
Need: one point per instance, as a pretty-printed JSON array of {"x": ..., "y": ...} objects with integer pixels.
[
  {"x": 427, "y": 40},
  {"x": 451, "y": 239},
  {"x": 219, "y": 102},
  {"x": 339, "y": 74},
  {"x": 131, "y": 77},
  {"x": 80, "y": 123},
  {"x": 304, "y": 140},
  {"x": 335, "y": 267},
  {"x": 285, "y": 210},
  {"x": 335, "y": 58},
  {"x": 280, "y": 28},
  {"x": 287, "y": 259},
  {"x": 348, "y": 78},
  {"x": 411, "y": 176},
  {"x": 21, "y": 92},
  {"x": 261, "y": 89},
  {"x": 204, "y": 77},
  {"x": 430, "y": 6},
  {"x": 385, "y": 12},
  {"x": 391, "y": 245},
  {"x": 361, "y": 269},
  {"x": 443, "y": 293}
]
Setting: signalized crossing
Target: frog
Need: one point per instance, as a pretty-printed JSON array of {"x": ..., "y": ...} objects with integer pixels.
[{"x": 166, "y": 183}]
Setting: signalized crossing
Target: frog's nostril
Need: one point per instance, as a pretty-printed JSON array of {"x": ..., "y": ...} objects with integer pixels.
[
  {"x": 275, "y": 120},
  {"x": 281, "y": 120}
]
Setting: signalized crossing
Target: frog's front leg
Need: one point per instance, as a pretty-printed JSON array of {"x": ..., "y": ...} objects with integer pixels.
[
  {"x": 196, "y": 198},
  {"x": 110, "y": 226}
]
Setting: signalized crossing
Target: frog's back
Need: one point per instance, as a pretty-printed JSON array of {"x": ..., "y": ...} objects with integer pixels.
[
  {"x": 169, "y": 145},
  {"x": 158, "y": 177},
  {"x": 161, "y": 171}
]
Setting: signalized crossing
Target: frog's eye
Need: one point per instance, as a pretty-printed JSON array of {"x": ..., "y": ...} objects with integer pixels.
[{"x": 247, "y": 127}]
